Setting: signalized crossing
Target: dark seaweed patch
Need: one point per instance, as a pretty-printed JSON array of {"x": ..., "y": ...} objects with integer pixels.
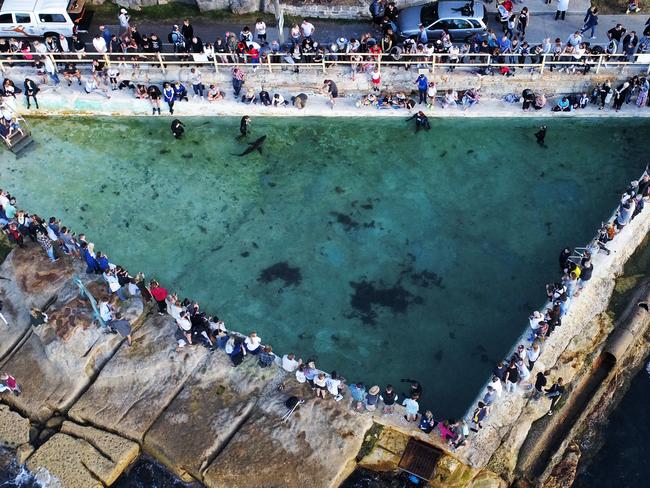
[
  {"x": 245, "y": 254},
  {"x": 281, "y": 271},
  {"x": 426, "y": 278},
  {"x": 368, "y": 295}
]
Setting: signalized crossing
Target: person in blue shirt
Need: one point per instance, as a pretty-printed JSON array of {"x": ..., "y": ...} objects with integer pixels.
[
  {"x": 427, "y": 423},
  {"x": 106, "y": 34},
  {"x": 102, "y": 262},
  {"x": 169, "y": 96},
  {"x": 563, "y": 105},
  {"x": 422, "y": 84},
  {"x": 91, "y": 262},
  {"x": 423, "y": 37},
  {"x": 504, "y": 44},
  {"x": 180, "y": 92}
]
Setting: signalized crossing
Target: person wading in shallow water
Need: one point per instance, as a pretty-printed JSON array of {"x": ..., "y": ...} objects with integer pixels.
[
  {"x": 541, "y": 135},
  {"x": 177, "y": 128},
  {"x": 244, "y": 126}
]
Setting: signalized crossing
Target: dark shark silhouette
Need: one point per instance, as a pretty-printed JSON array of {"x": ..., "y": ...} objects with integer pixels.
[{"x": 253, "y": 146}]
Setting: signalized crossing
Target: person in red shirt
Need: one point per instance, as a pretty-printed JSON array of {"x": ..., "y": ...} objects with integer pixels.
[
  {"x": 159, "y": 294},
  {"x": 8, "y": 383}
]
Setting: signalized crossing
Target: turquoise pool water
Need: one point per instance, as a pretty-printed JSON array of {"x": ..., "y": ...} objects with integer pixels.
[{"x": 383, "y": 253}]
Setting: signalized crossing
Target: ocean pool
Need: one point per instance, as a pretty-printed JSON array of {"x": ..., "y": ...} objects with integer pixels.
[{"x": 382, "y": 253}]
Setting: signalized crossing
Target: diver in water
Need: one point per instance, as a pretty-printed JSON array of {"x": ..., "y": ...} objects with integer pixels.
[
  {"x": 541, "y": 135},
  {"x": 244, "y": 126},
  {"x": 416, "y": 387},
  {"x": 177, "y": 128},
  {"x": 421, "y": 121}
]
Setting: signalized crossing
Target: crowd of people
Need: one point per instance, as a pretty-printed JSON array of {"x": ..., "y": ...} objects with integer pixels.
[
  {"x": 195, "y": 328},
  {"x": 252, "y": 47}
]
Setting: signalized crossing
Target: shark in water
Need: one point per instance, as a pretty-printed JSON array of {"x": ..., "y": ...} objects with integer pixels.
[{"x": 256, "y": 145}]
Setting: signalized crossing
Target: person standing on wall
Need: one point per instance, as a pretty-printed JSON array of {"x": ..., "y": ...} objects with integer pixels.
[
  {"x": 125, "y": 27},
  {"x": 555, "y": 392},
  {"x": 562, "y": 7},
  {"x": 591, "y": 21}
]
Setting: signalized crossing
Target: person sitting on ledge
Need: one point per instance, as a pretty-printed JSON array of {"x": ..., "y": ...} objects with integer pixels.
[
  {"x": 563, "y": 105},
  {"x": 180, "y": 92},
  {"x": 253, "y": 344},
  {"x": 266, "y": 357},
  {"x": 265, "y": 98},
  {"x": 141, "y": 92},
  {"x": 540, "y": 101},
  {"x": 238, "y": 351},
  {"x": 214, "y": 94},
  {"x": 427, "y": 422},
  {"x": 249, "y": 97},
  {"x": 299, "y": 101}
]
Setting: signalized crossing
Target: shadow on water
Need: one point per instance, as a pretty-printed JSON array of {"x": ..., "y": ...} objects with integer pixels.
[
  {"x": 147, "y": 473},
  {"x": 364, "y": 478}
]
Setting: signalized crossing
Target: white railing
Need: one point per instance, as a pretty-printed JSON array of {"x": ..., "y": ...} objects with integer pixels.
[{"x": 357, "y": 61}]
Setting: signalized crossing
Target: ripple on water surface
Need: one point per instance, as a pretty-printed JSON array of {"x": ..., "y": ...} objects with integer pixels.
[{"x": 383, "y": 253}]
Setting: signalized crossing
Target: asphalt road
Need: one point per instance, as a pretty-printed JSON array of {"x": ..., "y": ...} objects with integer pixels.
[{"x": 541, "y": 25}]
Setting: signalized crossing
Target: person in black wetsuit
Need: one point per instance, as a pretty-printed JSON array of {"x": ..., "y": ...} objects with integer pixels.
[
  {"x": 244, "y": 126},
  {"x": 421, "y": 121},
  {"x": 177, "y": 128},
  {"x": 541, "y": 135},
  {"x": 416, "y": 388}
]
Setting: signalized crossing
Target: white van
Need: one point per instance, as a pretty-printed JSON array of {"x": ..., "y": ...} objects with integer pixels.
[{"x": 35, "y": 18}]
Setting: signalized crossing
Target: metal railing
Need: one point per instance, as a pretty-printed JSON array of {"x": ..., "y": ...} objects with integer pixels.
[{"x": 324, "y": 61}]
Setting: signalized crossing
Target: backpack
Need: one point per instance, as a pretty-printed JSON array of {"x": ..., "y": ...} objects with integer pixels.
[{"x": 291, "y": 402}]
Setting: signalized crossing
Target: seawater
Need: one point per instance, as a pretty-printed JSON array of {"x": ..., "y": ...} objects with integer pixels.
[{"x": 382, "y": 253}]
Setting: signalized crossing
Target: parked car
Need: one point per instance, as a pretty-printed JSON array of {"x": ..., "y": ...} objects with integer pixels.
[
  {"x": 462, "y": 19},
  {"x": 35, "y": 18}
]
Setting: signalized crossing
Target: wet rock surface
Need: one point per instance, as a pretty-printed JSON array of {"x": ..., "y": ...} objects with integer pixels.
[{"x": 57, "y": 360}]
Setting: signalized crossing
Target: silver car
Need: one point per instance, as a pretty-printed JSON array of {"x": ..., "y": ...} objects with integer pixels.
[{"x": 462, "y": 19}]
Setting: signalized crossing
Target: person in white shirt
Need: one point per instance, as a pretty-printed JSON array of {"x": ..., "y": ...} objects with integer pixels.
[
  {"x": 105, "y": 312},
  {"x": 260, "y": 30},
  {"x": 289, "y": 363},
  {"x": 532, "y": 353},
  {"x": 185, "y": 325},
  {"x": 99, "y": 44},
  {"x": 63, "y": 42},
  {"x": 124, "y": 19},
  {"x": 307, "y": 29},
  {"x": 253, "y": 343},
  {"x": 40, "y": 48},
  {"x": 333, "y": 384},
  {"x": 300, "y": 374},
  {"x": 496, "y": 385},
  {"x": 279, "y": 101}
]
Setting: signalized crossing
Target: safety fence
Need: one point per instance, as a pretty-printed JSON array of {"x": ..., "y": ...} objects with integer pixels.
[{"x": 479, "y": 62}]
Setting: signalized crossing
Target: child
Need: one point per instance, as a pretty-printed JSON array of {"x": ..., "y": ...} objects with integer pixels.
[
  {"x": 376, "y": 79},
  {"x": 14, "y": 126},
  {"x": 113, "y": 75}
]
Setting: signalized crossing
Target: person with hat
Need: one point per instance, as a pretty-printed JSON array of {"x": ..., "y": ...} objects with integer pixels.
[
  {"x": 372, "y": 398},
  {"x": 125, "y": 27}
]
